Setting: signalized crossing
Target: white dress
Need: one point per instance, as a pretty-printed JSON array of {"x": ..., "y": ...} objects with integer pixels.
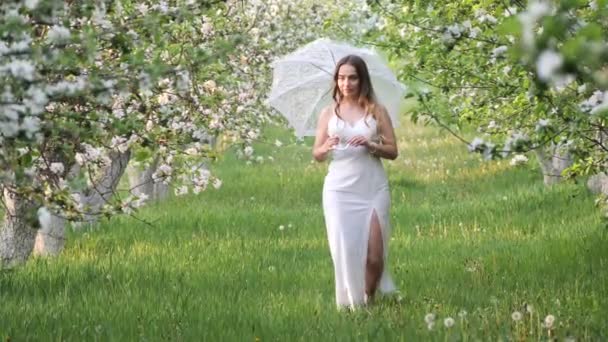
[{"x": 354, "y": 187}]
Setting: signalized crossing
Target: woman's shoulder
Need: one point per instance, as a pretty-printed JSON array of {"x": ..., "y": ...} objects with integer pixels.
[
  {"x": 379, "y": 109},
  {"x": 328, "y": 110},
  {"x": 326, "y": 114}
]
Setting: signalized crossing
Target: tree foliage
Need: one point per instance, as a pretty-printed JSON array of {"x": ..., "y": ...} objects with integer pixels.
[{"x": 527, "y": 75}]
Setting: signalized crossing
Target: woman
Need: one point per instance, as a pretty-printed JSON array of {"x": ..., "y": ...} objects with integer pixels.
[{"x": 356, "y": 200}]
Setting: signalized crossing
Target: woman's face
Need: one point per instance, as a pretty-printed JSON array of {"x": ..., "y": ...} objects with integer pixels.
[{"x": 348, "y": 80}]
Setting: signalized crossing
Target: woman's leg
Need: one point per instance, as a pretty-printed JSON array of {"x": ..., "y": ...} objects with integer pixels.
[{"x": 375, "y": 257}]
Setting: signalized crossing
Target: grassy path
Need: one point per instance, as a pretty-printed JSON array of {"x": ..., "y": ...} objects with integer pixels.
[{"x": 250, "y": 261}]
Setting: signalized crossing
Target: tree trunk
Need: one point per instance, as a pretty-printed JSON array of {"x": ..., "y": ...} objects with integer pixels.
[
  {"x": 598, "y": 183},
  {"x": 51, "y": 237},
  {"x": 18, "y": 231},
  {"x": 141, "y": 182},
  {"x": 103, "y": 188},
  {"x": 553, "y": 161}
]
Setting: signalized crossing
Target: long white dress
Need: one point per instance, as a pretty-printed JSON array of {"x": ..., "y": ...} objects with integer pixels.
[{"x": 355, "y": 186}]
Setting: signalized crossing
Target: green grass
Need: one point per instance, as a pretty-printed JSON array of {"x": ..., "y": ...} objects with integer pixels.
[{"x": 470, "y": 235}]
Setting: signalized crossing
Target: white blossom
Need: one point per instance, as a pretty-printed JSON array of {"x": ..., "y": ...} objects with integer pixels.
[
  {"x": 514, "y": 141},
  {"x": 67, "y": 87},
  {"x": 210, "y": 86},
  {"x": 142, "y": 8},
  {"x": 165, "y": 99},
  {"x": 119, "y": 143},
  {"x": 191, "y": 151},
  {"x": 140, "y": 200},
  {"x": 183, "y": 81},
  {"x": 499, "y": 51},
  {"x": 474, "y": 32},
  {"x": 23, "y": 45},
  {"x": 36, "y": 100},
  {"x": 31, "y": 4},
  {"x": 163, "y": 7},
  {"x": 9, "y": 129},
  {"x": 518, "y": 159},
  {"x": 77, "y": 200},
  {"x": 126, "y": 205},
  {"x": 512, "y": 10},
  {"x": 487, "y": 18},
  {"x": 58, "y": 34},
  {"x": 455, "y": 30},
  {"x": 529, "y": 18},
  {"x": 542, "y": 124},
  {"x": 182, "y": 190},
  {"x": 19, "y": 69},
  {"x": 162, "y": 173},
  {"x": 488, "y": 150},
  {"x": 207, "y": 28},
  {"x": 217, "y": 183},
  {"x": 57, "y": 168},
  {"x": 596, "y": 103},
  {"x": 403, "y": 31},
  {"x": 581, "y": 89},
  {"x": 80, "y": 159},
  {"x": 149, "y": 125},
  {"x": 548, "y": 64},
  {"x": 476, "y": 144},
  {"x": 145, "y": 82},
  {"x": 30, "y": 126},
  {"x": 593, "y": 4}
]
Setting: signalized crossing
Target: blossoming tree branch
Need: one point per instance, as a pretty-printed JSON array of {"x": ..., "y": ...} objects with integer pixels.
[
  {"x": 89, "y": 87},
  {"x": 530, "y": 75}
]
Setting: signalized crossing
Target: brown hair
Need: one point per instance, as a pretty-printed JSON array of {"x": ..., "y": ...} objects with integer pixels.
[{"x": 367, "y": 98}]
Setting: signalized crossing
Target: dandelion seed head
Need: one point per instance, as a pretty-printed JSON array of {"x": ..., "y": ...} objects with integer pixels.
[
  {"x": 462, "y": 313},
  {"x": 516, "y": 316},
  {"x": 448, "y": 322}
]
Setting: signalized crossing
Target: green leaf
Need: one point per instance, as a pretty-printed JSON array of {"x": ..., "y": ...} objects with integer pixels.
[
  {"x": 142, "y": 154},
  {"x": 510, "y": 26},
  {"x": 592, "y": 32}
]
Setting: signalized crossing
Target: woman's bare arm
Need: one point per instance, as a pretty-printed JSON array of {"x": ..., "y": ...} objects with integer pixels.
[
  {"x": 387, "y": 148},
  {"x": 323, "y": 143}
]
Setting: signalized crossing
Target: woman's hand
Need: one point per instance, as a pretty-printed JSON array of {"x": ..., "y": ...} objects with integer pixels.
[
  {"x": 330, "y": 143},
  {"x": 359, "y": 140}
]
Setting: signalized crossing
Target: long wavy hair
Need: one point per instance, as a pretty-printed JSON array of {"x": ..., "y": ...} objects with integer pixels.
[{"x": 367, "y": 98}]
